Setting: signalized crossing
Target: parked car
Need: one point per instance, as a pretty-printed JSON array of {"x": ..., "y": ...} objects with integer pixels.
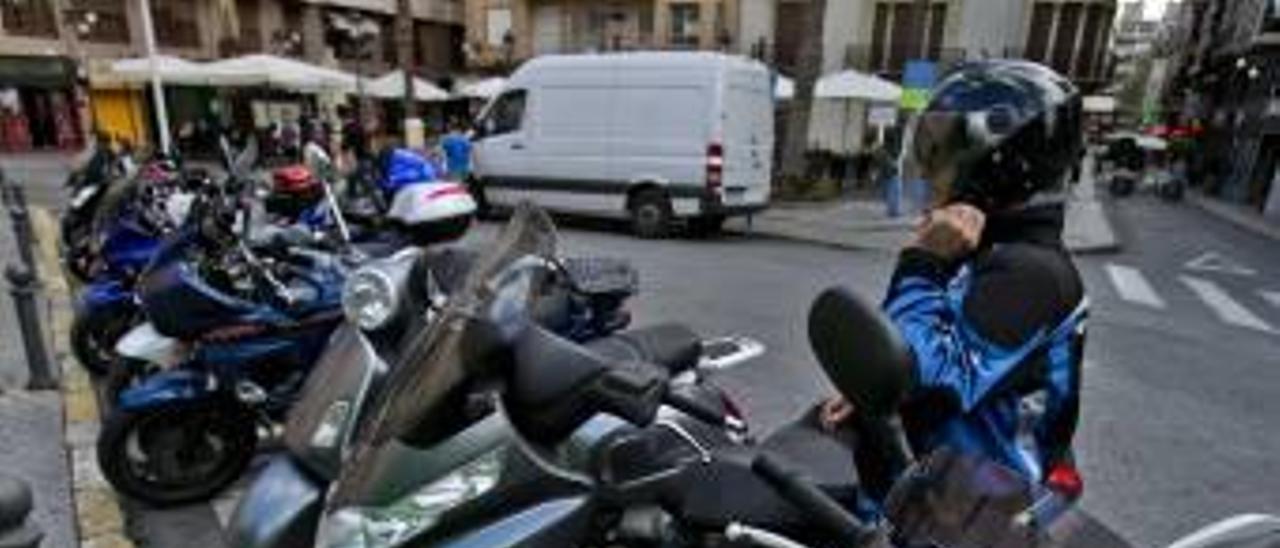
[{"x": 656, "y": 137}]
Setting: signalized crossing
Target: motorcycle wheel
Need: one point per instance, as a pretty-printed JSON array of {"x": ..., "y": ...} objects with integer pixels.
[
  {"x": 179, "y": 452},
  {"x": 94, "y": 337}
]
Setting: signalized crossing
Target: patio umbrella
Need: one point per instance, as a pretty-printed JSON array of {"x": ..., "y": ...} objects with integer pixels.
[
  {"x": 391, "y": 86},
  {"x": 487, "y": 88},
  {"x": 851, "y": 84},
  {"x": 280, "y": 72},
  {"x": 170, "y": 69}
]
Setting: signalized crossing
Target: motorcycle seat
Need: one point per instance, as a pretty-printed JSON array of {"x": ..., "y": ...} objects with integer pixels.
[{"x": 674, "y": 347}]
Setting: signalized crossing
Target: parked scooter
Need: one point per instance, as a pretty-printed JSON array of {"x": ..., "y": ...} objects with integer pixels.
[{"x": 587, "y": 449}]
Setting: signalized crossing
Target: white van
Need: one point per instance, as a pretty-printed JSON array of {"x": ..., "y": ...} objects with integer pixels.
[{"x": 654, "y": 137}]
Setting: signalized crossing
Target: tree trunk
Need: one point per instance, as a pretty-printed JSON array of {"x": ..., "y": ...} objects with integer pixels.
[
  {"x": 808, "y": 68},
  {"x": 404, "y": 47}
]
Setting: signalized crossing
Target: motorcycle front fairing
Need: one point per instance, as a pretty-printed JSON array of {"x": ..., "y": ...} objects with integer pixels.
[{"x": 104, "y": 295}]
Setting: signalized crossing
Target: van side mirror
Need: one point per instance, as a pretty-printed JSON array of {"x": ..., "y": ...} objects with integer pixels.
[{"x": 861, "y": 351}]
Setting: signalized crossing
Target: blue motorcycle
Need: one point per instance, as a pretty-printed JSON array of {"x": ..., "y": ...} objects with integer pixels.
[
  {"x": 106, "y": 307},
  {"x": 250, "y": 327}
]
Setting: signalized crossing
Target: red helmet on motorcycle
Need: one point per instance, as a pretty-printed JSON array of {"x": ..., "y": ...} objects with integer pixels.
[{"x": 293, "y": 190}]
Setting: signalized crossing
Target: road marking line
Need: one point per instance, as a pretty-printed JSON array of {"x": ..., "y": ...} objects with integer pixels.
[
  {"x": 1227, "y": 309},
  {"x": 1272, "y": 297},
  {"x": 1133, "y": 286},
  {"x": 1216, "y": 262}
]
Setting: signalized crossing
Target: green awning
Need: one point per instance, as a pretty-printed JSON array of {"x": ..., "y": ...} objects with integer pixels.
[{"x": 42, "y": 72}]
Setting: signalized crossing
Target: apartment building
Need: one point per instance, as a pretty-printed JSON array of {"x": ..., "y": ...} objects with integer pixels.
[
  {"x": 55, "y": 54},
  {"x": 503, "y": 32}
]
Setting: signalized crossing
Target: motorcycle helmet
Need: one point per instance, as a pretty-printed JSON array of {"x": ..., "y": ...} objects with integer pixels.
[
  {"x": 429, "y": 213},
  {"x": 994, "y": 135},
  {"x": 294, "y": 190}
]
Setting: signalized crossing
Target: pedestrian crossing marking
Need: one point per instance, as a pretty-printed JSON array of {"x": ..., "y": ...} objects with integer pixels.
[
  {"x": 1133, "y": 286},
  {"x": 1272, "y": 297},
  {"x": 1227, "y": 309},
  {"x": 1215, "y": 262}
]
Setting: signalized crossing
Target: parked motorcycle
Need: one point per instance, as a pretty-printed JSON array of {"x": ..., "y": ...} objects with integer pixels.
[
  {"x": 86, "y": 187},
  {"x": 231, "y": 338},
  {"x": 132, "y": 224},
  {"x": 583, "y": 448}
]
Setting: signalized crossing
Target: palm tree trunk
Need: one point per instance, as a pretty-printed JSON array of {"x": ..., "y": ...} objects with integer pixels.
[{"x": 808, "y": 68}]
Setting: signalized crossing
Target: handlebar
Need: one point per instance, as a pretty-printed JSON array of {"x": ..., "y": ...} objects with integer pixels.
[{"x": 813, "y": 502}]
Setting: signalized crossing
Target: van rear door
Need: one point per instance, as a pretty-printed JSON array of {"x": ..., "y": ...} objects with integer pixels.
[{"x": 747, "y": 136}]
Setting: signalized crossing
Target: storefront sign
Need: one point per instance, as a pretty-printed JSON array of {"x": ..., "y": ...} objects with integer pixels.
[{"x": 882, "y": 115}]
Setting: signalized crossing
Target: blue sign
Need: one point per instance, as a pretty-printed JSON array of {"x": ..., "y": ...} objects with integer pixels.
[{"x": 920, "y": 74}]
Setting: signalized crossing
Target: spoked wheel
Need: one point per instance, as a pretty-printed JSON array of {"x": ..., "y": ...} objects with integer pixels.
[
  {"x": 94, "y": 337},
  {"x": 177, "y": 453}
]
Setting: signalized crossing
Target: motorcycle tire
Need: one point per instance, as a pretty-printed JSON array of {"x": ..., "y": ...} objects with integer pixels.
[
  {"x": 201, "y": 447},
  {"x": 94, "y": 336}
]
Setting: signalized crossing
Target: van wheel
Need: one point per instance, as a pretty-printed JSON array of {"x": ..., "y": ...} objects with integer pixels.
[{"x": 650, "y": 214}]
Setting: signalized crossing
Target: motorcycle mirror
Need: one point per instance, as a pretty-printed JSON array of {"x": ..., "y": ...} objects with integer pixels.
[
  {"x": 861, "y": 351},
  {"x": 244, "y": 162}
]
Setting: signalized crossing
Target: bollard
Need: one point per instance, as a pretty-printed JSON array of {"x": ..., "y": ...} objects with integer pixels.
[
  {"x": 24, "y": 289},
  {"x": 23, "y": 234},
  {"x": 15, "y": 507}
]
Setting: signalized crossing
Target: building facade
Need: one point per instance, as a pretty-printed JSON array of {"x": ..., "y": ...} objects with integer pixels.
[
  {"x": 501, "y": 33},
  {"x": 55, "y": 83},
  {"x": 1226, "y": 82}
]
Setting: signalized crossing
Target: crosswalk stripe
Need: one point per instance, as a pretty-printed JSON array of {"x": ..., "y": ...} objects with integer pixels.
[
  {"x": 1133, "y": 286},
  {"x": 1227, "y": 309},
  {"x": 1272, "y": 297}
]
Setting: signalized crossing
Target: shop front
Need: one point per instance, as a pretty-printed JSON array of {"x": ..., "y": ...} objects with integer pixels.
[{"x": 38, "y": 105}]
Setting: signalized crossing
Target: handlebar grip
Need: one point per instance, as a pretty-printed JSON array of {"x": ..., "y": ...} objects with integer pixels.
[
  {"x": 812, "y": 501},
  {"x": 702, "y": 411}
]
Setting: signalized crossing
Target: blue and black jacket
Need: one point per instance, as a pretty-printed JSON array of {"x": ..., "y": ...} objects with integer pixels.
[{"x": 998, "y": 340}]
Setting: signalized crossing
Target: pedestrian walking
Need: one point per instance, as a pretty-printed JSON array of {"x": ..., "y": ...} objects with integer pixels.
[{"x": 457, "y": 152}]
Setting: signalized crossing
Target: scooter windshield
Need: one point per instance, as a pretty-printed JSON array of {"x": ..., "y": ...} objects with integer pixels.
[
  {"x": 962, "y": 501},
  {"x": 423, "y": 390}
]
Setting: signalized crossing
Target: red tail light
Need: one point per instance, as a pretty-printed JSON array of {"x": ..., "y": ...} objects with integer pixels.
[
  {"x": 1065, "y": 479},
  {"x": 715, "y": 166}
]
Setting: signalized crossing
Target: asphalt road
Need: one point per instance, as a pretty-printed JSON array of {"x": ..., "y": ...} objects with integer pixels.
[{"x": 1181, "y": 385}]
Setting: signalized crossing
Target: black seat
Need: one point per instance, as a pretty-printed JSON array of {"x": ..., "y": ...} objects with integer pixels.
[{"x": 675, "y": 347}]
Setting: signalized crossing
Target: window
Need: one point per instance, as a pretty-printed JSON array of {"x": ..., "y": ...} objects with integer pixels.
[
  {"x": 111, "y": 22},
  {"x": 32, "y": 18},
  {"x": 1038, "y": 36},
  {"x": 175, "y": 23},
  {"x": 685, "y": 20},
  {"x": 506, "y": 115},
  {"x": 897, "y": 34},
  {"x": 1064, "y": 42}
]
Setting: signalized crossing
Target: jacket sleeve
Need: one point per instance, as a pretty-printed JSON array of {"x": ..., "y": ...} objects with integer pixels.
[{"x": 964, "y": 352}]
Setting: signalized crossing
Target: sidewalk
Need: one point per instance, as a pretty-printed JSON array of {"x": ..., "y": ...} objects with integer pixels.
[
  {"x": 864, "y": 225},
  {"x": 1240, "y": 215}
]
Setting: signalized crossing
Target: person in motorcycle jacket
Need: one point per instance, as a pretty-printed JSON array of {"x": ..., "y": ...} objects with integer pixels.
[{"x": 985, "y": 294}]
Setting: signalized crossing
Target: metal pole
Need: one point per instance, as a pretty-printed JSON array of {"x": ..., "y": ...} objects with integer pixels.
[
  {"x": 24, "y": 288},
  {"x": 157, "y": 90},
  {"x": 20, "y": 219}
]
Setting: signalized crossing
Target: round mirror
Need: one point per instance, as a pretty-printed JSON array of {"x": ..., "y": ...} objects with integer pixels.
[{"x": 861, "y": 351}]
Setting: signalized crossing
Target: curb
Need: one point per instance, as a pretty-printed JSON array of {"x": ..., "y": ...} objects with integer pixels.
[
  {"x": 1233, "y": 214},
  {"x": 99, "y": 517}
]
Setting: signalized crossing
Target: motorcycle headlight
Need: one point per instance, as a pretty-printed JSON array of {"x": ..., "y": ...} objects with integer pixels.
[{"x": 370, "y": 298}]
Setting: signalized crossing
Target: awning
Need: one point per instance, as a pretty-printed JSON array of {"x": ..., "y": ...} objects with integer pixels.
[
  {"x": 43, "y": 72},
  {"x": 391, "y": 86},
  {"x": 279, "y": 72},
  {"x": 171, "y": 70}
]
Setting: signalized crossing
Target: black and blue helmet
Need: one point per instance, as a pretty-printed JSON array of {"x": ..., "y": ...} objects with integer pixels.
[{"x": 995, "y": 134}]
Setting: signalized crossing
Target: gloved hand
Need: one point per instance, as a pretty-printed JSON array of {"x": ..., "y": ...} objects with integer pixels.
[{"x": 950, "y": 232}]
